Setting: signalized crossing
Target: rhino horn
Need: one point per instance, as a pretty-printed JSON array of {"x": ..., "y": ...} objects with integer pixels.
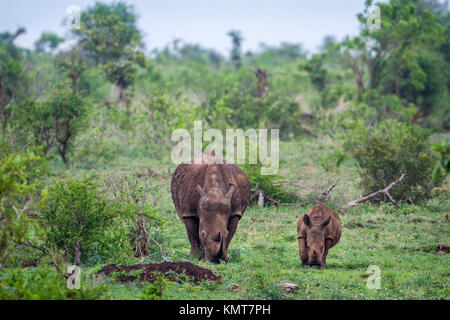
[
  {"x": 200, "y": 190},
  {"x": 230, "y": 192},
  {"x": 325, "y": 223}
]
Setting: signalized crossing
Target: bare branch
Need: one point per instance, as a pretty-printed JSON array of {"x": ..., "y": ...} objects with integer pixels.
[
  {"x": 31, "y": 246},
  {"x": 161, "y": 248},
  {"x": 384, "y": 191},
  {"x": 327, "y": 192}
]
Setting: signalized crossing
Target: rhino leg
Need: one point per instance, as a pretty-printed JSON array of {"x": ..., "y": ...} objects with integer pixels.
[
  {"x": 325, "y": 253},
  {"x": 232, "y": 226},
  {"x": 302, "y": 251},
  {"x": 192, "y": 233}
]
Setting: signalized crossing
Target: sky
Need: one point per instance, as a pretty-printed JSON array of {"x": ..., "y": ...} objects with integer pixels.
[{"x": 202, "y": 21}]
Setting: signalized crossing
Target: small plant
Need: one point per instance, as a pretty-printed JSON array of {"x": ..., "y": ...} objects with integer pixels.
[
  {"x": 44, "y": 284},
  {"x": 156, "y": 290},
  {"x": 331, "y": 162},
  {"x": 444, "y": 149}
]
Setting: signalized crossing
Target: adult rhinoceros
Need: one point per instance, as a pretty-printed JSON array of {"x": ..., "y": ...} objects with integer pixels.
[{"x": 210, "y": 197}]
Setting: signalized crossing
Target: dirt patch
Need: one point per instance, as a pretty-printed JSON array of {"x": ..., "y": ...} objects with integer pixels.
[
  {"x": 174, "y": 271},
  {"x": 353, "y": 225},
  {"x": 443, "y": 248}
]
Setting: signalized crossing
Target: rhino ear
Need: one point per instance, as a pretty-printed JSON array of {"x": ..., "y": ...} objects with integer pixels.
[
  {"x": 325, "y": 223},
  {"x": 306, "y": 220},
  {"x": 200, "y": 190},
  {"x": 230, "y": 192}
]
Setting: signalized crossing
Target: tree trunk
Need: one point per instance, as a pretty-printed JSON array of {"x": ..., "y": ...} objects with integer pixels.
[
  {"x": 16, "y": 34},
  {"x": 262, "y": 82},
  {"x": 65, "y": 141},
  {"x": 140, "y": 240},
  {"x": 74, "y": 79},
  {"x": 77, "y": 254},
  {"x": 123, "y": 98},
  {"x": 3, "y": 104}
]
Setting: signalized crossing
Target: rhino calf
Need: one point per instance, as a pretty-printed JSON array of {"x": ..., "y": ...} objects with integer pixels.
[
  {"x": 318, "y": 230},
  {"x": 210, "y": 198}
]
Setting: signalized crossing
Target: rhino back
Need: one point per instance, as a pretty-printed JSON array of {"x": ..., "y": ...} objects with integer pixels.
[
  {"x": 184, "y": 179},
  {"x": 187, "y": 175}
]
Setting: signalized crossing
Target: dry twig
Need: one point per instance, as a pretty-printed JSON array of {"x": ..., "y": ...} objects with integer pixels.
[
  {"x": 384, "y": 191},
  {"x": 327, "y": 192}
]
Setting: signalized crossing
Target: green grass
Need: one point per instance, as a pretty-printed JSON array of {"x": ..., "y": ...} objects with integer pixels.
[
  {"x": 264, "y": 254},
  {"x": 264, "y": 251}
]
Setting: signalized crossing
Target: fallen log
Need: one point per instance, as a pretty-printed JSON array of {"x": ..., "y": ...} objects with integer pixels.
[{"x": 384, "y": 191}]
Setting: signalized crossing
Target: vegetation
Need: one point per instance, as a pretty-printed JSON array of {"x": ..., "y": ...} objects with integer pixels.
[{"x": 85, "y": 157}]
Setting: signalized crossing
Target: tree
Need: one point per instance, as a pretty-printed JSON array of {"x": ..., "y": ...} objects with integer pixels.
[
  {"x": 74, "y": 64},
  {"x": 402, "y": 58},
  {"x": 47, "y": 43},
  {"x": 67, "y": 110},
  {"x": 55, "y": 121},
  {"x": 109, "y": 34},
  {"x": 11, "y": 74},
  {"x": 236, "y": 51}
]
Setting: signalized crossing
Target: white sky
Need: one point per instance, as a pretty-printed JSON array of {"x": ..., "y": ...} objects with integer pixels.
[{"x": 201, "y": 21}]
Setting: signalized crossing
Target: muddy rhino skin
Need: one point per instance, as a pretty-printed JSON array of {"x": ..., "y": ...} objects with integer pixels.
[
  {"x": 318, "y": 230},
  {"x": 210, "y": 199}
]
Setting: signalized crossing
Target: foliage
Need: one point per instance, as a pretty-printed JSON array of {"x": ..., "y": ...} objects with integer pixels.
[
  {"x": 408, "y": 43},
  {"x": 157, "y": 289},
  {"x": 16, "y": 182},
  {"x": 235, "y": 102},
  {"x": 44, "y": 284},
  {"x": 109, "y": 33},
  {"x": 12, "y": 79},
  {"x": 271, "y": 185},
  {"x": 375, "y": 93},
  {"x": 391, "y": 150},
  {"x": 444, "y": 149},
  {"x": 47, "y": 43},
  {"x": 135, "y": 201},
  {"x": 74, "y": 64},
  {"x": 75, "y": 213},
  {"x": 236, "y": 54}
]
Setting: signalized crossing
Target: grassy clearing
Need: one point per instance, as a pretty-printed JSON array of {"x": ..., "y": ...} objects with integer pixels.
[
  {"x": 264, "y": 251},
  {"x": 264, "y": 254}
]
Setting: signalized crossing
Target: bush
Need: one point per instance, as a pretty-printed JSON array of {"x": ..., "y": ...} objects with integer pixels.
[
  {"x": 75, "y": 213},
  {"x": 44, "y": 284},
  {"x": 270, "y": 184},
  {"x": 17, "y": 172},
  {"x": 390, "y": 150}
]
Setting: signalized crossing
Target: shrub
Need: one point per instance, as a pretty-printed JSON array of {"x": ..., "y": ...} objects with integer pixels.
[
  {"x": 44, "y": 284},
  {"x": 156, "y": 290},
  {"x": 75, "y": 213},
  {"x": 135, "y": 200},
  {"x": 270, "y": 184},
  {"x": 444, "y": 149},
  {"x": 17, "y": 172},
  {"x": 388, "y": 151}
]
